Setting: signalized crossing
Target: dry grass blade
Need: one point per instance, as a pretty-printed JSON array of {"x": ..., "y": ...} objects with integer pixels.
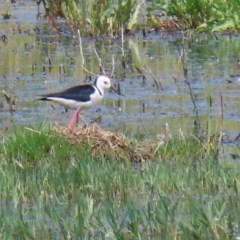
[{"x": 10, "y": 99}]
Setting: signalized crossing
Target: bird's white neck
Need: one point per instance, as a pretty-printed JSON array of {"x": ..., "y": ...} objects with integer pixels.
[{"x": 99, "y": 91}]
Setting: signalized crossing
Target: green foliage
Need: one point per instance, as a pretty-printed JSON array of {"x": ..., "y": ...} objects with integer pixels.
[
  {"x": 31, "y": 145},
  {"x": 182, "y": 149},
  {"x": 217, "y": 15},
  {"x": 108, "y": 17},
  {"x": 105, "y": 17}
]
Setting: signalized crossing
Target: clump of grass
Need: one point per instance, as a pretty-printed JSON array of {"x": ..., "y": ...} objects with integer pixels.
[
  {"x": 6, "y": 15},
  {"x": 181, "y": 148},
  {"x": 111, "y": 145},
  {"x": 31, "y": 145}
]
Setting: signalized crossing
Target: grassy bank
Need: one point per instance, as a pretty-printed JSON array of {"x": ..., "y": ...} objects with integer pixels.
[{"x": 53, "y": 189}]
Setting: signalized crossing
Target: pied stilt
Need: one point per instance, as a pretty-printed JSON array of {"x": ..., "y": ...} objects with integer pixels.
[{"x": 80, "y": 97}]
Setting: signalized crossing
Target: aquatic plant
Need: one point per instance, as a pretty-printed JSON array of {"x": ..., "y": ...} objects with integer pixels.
[
  {"x": 109, "y": 16},
  {"x": 201, "y": 15},
  {"x": 97, "y": 17}
]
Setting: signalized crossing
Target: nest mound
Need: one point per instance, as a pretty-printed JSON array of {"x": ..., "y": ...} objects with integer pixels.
[{"x": 104, "y": 143}]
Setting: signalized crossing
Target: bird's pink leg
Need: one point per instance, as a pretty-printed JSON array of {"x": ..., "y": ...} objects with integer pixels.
[{"x": 74, "y": 120}]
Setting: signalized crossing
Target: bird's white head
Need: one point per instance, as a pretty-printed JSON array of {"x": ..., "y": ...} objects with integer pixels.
[{"x": 102, "y": 83}]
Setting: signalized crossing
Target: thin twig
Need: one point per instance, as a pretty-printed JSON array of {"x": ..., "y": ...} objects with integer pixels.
[
  {"x": 122, "y": 40},
  {"x": 32, "y": 130},
  {"x": 113, "y": 67},
  {"x": 10, "y": 99},
  {"x": 102, "y": 71},
  {"x": 159, "y": 83},
  {"x": 80, "y": 47},
  {"x": 221, "y": 100},
  {"x": 221, "y": 133},
  {"x": 87, "y": 71},
  {"x": 185, "y": 74}
]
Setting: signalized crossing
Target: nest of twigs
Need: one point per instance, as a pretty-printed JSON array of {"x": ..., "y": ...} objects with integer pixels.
[{"x": 104, "y": 143}]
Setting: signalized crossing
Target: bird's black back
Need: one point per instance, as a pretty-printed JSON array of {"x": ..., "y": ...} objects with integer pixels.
[{"x": 78, "y": 93}]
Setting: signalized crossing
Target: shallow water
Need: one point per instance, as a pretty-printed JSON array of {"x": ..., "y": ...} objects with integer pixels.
[{"x": 37, "y": 58}]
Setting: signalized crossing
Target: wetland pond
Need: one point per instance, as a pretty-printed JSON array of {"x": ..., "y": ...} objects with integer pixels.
[{"x": 36, "y": 58}]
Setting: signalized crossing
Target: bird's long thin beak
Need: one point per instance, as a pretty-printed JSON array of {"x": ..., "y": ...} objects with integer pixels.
[{"x": 112, "y": 89}]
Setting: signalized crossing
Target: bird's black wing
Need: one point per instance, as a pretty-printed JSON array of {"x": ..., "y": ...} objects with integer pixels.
[{"x": 78, "y": 93}]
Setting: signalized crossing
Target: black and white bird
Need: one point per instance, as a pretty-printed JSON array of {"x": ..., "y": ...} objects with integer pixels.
[{"x": 80, "y": 97}]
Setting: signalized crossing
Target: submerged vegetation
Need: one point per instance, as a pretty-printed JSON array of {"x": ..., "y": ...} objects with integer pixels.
[{"x": 54, "y": 188}]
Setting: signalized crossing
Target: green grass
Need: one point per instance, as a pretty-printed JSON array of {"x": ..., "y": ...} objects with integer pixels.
[
  {"x": 202, "y": 15},
  {"x": 95, "y": 18},
  {"x": 108, "y": 17},
  {"x": 51, "y": 189}
]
